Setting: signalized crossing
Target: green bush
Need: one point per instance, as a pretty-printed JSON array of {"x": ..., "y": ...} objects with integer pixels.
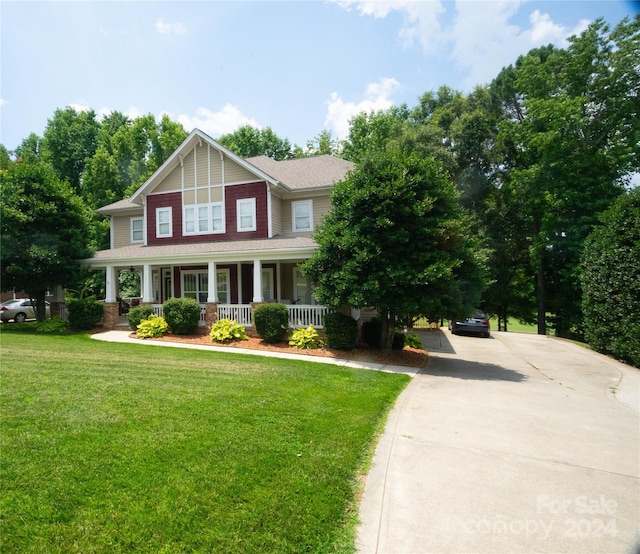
[
  {"x": 54, "y": 325},
  {"x": 305, "y": 338},
  {"x": 341, "y": 331},
  {"x": 84, "y": 313},
  {"x": 225, "y": 330},
  {"x": 372, "y": 332},
  {"x": 137, "y": 314},
  {"x": 152, "y": 328},
  {"x": 413, "y": 341},
  {"x": 271, "y": 322},
  {"x": 182, "y": 315},
  {"x": 611, "y": 281},
  {"x": 397, "y": 342}
]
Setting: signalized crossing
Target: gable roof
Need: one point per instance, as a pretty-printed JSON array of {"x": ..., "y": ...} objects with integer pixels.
[
  {"x": 304, "y": 173},
  {"x": 290, "y": 175},
  {"x": 195, "y": 137}
]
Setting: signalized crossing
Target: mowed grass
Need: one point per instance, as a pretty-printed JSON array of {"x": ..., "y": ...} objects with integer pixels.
[{"x": 135, "y": 448}]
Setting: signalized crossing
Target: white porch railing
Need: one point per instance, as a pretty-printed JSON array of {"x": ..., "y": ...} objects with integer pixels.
[
  {"x": 157, "y": 311},
  {"x": 240, "y": 312},
  {"x": 304, "y": 315},
  {"x": 299, "y": 315}
]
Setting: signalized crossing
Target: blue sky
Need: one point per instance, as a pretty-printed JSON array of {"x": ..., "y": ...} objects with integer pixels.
[{"x": 299, "y": 67}]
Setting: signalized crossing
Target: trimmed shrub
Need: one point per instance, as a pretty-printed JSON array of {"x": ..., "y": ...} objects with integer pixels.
[
  {"x": 398, "y": 341},
  {"x": 340, "y": 330},
  {"x": 84, "y": 313},
  {"x": 271, "y": 322},
  {"x": 137, "y": 314},
  {"x": 372, "y": 332},
  {"x": 182, "y": 315},
  {"x": 152, "y": 328},
  {"x": 305, "y": 338},
  {"x": 225, "y": 330}
]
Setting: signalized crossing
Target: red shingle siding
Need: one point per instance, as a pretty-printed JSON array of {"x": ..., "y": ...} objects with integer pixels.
[{"x": 232, "y": 194}]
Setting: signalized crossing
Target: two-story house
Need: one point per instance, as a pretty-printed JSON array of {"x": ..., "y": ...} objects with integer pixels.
[{"x": 227, "y": 231}]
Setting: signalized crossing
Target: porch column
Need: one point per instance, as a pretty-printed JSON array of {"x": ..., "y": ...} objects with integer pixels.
[
  {"x": 147, "y": 285},
  {"x": 111, "y": 284},
  {"x": 212, "y": 287},
  {"x": 257, "y": 281}
]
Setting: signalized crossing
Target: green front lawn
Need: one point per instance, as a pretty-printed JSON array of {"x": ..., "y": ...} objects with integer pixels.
[{"x": 134, "y": 448}]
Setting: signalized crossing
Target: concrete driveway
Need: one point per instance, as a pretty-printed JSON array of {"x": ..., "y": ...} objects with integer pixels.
[{"x": 517, "y": 443}]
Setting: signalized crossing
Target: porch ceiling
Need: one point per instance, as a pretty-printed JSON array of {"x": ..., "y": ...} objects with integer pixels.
[{"x": 273, "y": 249}]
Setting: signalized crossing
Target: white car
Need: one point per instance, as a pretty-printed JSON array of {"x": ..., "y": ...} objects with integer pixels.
[{"x": 20, "y": 310}]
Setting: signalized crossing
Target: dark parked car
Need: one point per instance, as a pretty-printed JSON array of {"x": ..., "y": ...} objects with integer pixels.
[
  {"x": 477, "y": 323},
  {"x": 20, "y": 310}
]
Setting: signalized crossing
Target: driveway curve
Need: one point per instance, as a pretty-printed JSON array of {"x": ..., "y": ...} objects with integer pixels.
[{"x": 516, "y": 443}]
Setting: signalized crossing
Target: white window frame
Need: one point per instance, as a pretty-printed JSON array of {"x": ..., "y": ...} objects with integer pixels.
[
  {"x": 301, "y": 285},
  {"x": 141, "y": 230},
  {"x": 267, "y": 284},
  {"x": 201, "y": 281},
  {"x": 294, "y": 217},
  {"x": 193, "y": 219},
  {"x": 242, "y": 202},
  {"x": 227, "y": 282},
  {"x": 169, "y": 233}
]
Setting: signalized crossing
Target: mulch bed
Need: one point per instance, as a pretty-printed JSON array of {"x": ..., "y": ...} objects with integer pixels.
[{"x": 410, "y": 357}]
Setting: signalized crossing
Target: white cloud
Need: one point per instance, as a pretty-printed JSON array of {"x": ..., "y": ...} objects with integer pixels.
[
  {"x": 480, "y": 39},
  {"x": 420, "y": 19},
  {"x": 377, "y": 97},
  {"x": 165, "y": 28},
  {"x": 227, "y": 120}
]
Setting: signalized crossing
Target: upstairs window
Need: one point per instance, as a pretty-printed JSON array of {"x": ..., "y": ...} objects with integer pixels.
[
  {"x": 137, "y": 233},
  {"x": 246, "y": 213},
  {"x": 164, "y": 226},
  {"x": 302, "y": 215},
  {"x": 203, "y": 219}
]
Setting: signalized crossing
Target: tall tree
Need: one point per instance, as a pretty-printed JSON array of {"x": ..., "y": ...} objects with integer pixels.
[
  {"x": 568, "y": 147},
  {"x": 70, "y": 138},
  {"x": 44, "y": 231},
  {"x": 248, "y": 141},
  {"x": 395, "y": 239},
  {"x": 611, "y": 281}
]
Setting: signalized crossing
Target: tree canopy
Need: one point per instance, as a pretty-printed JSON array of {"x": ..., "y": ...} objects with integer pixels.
[
  {"x": 395, "y": 239},
  {"x": 611, "y": 281},
  {"x": 44, "y": 231}
]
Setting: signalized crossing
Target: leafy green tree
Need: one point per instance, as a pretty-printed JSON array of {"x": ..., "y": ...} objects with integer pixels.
[
  {"x": 248, "y": 141},
  {"x": 70, "y": 138},
  {"x": 611, "y": 281},
  {"x": 569, "y": 143},
  {"x": 323, "y": 144},
  {"x": 396, "y": 239},
  {"x": 44, "y": 232},
  {"x": 30, "y": 149},
  {"x": 5, "y": 158}
]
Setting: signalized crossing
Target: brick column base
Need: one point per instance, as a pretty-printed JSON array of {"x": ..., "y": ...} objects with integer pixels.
[
  {"x": 111, "y": 314},
  {"x": 211, "y": 314}
]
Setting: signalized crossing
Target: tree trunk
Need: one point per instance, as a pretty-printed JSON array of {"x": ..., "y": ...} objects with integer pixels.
[
  {"x": 387, "y": 331},
  {"x": 38, "y": 301}
]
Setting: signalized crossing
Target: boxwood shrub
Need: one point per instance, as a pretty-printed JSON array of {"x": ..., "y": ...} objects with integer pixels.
[
  {"x": 84, "y": 313},
  {"x": 182, "y": 315},
  {"x": 271, "y": 322},
  {"x": 341, "y": 331},
  {"x": 137, "y": 314}
]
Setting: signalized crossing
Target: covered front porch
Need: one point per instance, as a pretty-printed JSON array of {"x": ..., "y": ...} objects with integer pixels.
[{"x": 225, "y": 290}]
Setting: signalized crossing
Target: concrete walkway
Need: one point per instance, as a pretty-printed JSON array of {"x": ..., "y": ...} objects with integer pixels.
[
  {"x": 123, "y": 336},
  {"x": 517, "y": 443}
]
